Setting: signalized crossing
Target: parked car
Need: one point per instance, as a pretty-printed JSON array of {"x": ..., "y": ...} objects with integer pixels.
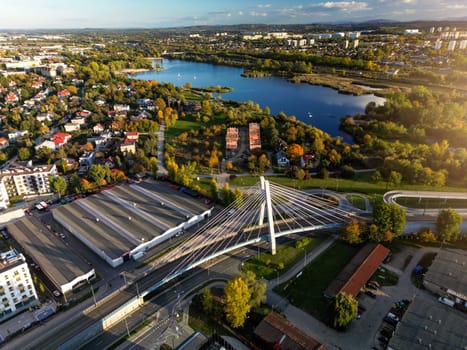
[
  {"x": 62, "y": 235},
  {"x": 385, "y": 332},
  {"x": 372, "y": 286},
  {"x": 390, "y": 321},
  {"x": 394, "y": 317},
  {"x": 383, "y": 339},
  {"x": 376, "y": 283},
  {"x": 370, "y": 294},
  {"x": 56, "y": 293}
]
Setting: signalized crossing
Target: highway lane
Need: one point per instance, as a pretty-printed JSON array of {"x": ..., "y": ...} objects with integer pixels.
[
  {"x": 167, "y": 301},
  {"x": 59, "y": 335}
]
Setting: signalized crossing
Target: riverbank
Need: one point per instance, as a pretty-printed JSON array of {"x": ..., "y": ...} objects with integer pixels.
[
  {"x": 344, "y": 85},
  {"x": 134, "y": 71}
]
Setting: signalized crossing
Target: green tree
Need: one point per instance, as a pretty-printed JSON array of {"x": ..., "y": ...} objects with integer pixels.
[
  {"x": 257, "y": 289},
  {"x": 97, "y": 174},
  {"x": 447, "y": 225},
  {"x": 75, "y": 183},
  {"x": 394, "y": 178},
  {"x": 213, "y": 189},
  {"x": 24, "y": 153},
  {"x": 388, "y": 217},
  {"x": 153, "y": 166},
  {"x": 294, "y": 152},
  {"x": 207, "y": 301},
  {"x": 345, "y": 308},
  {"x": 58, "y": 185},
  {"x": 353, "y": 232},
  {"x": 237, "y": 302}
]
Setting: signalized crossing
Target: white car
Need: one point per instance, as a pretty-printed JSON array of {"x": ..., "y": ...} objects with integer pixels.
[{"x": 56, "y": 293}]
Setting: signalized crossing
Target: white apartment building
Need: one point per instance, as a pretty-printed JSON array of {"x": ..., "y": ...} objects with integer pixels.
[
  {"x": 16, "y": 286},
  {"x": 25, "y": 181},
  {"x": 452, "y": 45}
]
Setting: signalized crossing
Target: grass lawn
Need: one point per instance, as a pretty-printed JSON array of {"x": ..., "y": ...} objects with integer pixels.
[
  {"x": 180, "y": 127},
  {"x": 269, "y": 266},
  {"x": 361, "y": 183},
  {"x": 183, "y": 125},
  {"x": 306, "y": 291},
  {"x": 357, "y": 201}
]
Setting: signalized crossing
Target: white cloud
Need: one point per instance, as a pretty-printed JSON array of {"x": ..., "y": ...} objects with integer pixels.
[
  {"x": 344, "y": 5},
  {"x": 258, "y": 14},
  {"x": 264, "y": 6},
  {"x": 456, "y": 6},
  {"x": 240, "y": 13}
]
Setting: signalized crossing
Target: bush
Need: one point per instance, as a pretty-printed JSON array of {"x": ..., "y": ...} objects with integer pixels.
[{"x": 347, "y": 172}]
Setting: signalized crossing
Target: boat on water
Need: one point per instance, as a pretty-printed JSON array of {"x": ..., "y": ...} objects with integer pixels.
[{"x": 310, "y": 115}]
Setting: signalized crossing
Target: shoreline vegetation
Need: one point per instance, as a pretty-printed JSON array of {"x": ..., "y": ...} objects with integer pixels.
[
  {"x": 134, "y": 71},
  {"x": 345, "y": 85}
]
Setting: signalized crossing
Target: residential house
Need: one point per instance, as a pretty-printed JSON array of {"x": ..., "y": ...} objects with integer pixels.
[
  {"x": 45, "y": 117},
  {"x": 86, "y": 160},
  {"x": 254, "y": 137},
  {"x": 231, "y": 139},
  {"x": 278, "y": 333},
  {"x": 11, "y": 98},
  {"x": 63, "y": 94},
  {"x": 128, "y": 147},
  {"x": 13, "y": 136},
  {"x": 132, "y": 135},
  {"x": 121, "y": 108},
  {"x": 78, "y": 121},
  {"x": 70, "y": 127},
  {"x": 115, "y": 113},
  {"x": 46, "y": 144},
  {"x": 83, "y": 114},
  {"x": 3, "y": 143},
  {"x": 60, "y": 139},
  {"x": 98, "y": 128},
  {"x": 281, "y": 158}
]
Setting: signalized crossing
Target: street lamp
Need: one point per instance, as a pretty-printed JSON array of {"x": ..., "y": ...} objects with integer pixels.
[{"x": 93, "y": 295}]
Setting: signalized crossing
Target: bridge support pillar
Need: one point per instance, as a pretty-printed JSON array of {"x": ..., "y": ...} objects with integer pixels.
[
  {"x": 263, "y": 203},
  {"x": 272, "y": 234}
]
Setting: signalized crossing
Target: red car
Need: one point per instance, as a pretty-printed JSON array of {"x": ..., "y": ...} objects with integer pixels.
[{"x": 28, "y": 211}]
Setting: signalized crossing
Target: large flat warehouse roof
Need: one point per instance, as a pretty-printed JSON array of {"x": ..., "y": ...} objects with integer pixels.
[
  {"x": 428, "y": 324},
  {"x": 58, "y": 262},
  {"x": 118, "y": 220},
  {"x": 448, "y": 271}
]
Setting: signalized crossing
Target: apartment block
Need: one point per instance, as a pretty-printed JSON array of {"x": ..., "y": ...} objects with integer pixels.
[{"x": 16, "y": 287}]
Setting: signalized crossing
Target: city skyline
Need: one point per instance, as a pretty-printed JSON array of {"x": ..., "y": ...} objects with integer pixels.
[{"x": 53, "y": 14}]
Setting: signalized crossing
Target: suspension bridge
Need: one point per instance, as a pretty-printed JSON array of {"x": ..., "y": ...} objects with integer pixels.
[{"x": 264, "y": 213}]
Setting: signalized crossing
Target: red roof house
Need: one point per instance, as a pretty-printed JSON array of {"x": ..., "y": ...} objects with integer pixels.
[
  {"x": 60, "y": 138},
  {"x": 63, "y": 93},
  {"x": 11, "y": 97},
  {"x": 358, "y": 271}
]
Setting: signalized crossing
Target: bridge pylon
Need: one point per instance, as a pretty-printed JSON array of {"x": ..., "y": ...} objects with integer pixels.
[{"x": 266, "y": 208}]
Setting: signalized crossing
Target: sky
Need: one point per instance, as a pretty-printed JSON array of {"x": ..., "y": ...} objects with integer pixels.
[{"x": 38, "y": 14}]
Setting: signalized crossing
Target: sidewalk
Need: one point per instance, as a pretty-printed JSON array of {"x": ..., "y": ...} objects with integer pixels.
[{"x": 161, "y": 170}]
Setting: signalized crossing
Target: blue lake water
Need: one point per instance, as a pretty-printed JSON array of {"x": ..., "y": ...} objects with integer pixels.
[{"x": 325, "y": 105}]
